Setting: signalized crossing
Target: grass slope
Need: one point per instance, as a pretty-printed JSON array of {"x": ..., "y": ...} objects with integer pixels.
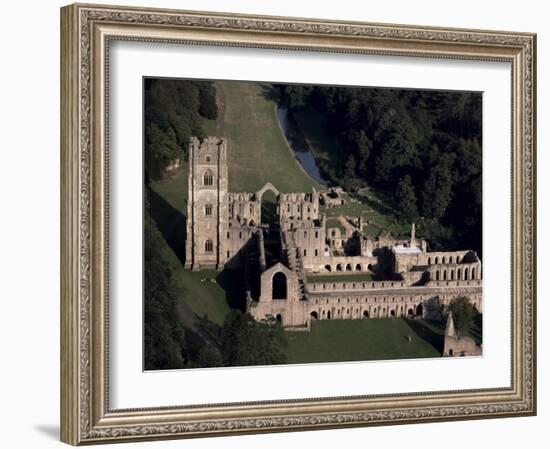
[
  {"x": 258, "y": 152},
  {"x": 353, "y": 340},
  {"x": 169, "y": 207}
]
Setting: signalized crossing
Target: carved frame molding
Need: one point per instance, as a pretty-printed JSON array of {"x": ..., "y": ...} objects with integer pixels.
[{"x": 86, "y": 32}]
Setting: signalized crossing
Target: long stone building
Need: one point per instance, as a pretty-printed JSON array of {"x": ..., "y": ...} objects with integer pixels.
[{"x": 284, "y": 260}]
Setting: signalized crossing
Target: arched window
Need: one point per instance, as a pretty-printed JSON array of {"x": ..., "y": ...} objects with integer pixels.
[
  {"x": 459, "y": 274},
  {"x": 208, "y": 178},
  {"x": 279, "y": 287},
  {"x": 208, "y": 209},
  {"x": 208, "y": 246}
]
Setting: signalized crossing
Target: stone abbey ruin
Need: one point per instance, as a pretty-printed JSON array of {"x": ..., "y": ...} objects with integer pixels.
[{"x": 277, "y": 254}]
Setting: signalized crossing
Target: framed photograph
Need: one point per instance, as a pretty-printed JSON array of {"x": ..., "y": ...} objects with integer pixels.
[{"x": 279, "y": 224}]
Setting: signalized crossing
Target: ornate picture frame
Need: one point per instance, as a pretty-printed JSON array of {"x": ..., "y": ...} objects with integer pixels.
[{"x": 86, "y": 34}]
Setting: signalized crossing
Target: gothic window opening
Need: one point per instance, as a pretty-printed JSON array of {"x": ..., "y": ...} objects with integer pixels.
[
  {"x": 208, "y": 246},
  {"x": 279, "y": 286},
  {"x": 208, "y": 210},
  {"x": 208, "y": 178}
]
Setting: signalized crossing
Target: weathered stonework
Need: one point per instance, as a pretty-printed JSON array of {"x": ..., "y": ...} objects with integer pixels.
[{"x": 226, "y": 229}]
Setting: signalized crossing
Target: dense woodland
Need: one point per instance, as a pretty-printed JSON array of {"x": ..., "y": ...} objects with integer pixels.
[
  {"x": 174, "y": 111},
  {"x": 422, "y": 149}
]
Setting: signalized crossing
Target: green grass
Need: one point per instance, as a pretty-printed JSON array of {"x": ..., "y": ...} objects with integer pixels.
[
  {"x": 174, "y": 188},
  {"x": 258, "y": 152},
  {"x": 340, "y": 278},
  {"x": 350, "y": 209},
  {"x": 334, "y": 223},
  {"x": 169, "y": 206},
  {"x": 203, "y": 298},
  {"x": 210, "y": 127},
  {"x": 352, "y": 340},
  {"x": 371, "y": 231}
]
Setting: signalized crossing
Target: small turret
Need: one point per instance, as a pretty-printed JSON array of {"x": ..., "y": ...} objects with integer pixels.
[{"x": 413, "y": 236}]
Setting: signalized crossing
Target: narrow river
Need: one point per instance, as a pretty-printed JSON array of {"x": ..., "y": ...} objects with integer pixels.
[{"x": 299, "y": 147}]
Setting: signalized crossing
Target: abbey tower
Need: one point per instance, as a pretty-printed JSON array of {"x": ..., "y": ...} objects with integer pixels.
[{"x": 207, "y": 219}]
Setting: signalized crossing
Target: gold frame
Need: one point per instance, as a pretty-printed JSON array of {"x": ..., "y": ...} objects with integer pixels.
[{"x": 86, "y": 31}]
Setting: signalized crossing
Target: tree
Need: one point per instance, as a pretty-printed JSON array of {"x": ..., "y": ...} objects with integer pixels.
[
  {"x": 437, "y": 189},
  {"x": 406, "y": 200},
  {"x": 174, "y": 110},
  {"x": 296, "y": 95},
  {"x": 163, "y": 331},
  {"x": 207, "y": 95},
  {"x": 463, "y": 314},
  {"x": 246, "y": 341}
]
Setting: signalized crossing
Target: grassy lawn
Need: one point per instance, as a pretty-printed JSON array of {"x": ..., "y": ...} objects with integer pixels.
[
  {"x": 334, "y": 223},
  {"x": 350, "y": 209},
  {"x": 349, "y": 340},
  {"x": 209, "y": 127},
  {"x": 168, "y": 202},
  {"x": 203, "y": 298},
  {"x": 340, "y": 278},
  {"x": 258, "y": 152},
  {"x": 372, "y": 231}
]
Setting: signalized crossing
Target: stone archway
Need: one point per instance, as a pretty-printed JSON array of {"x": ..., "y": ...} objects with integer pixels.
[
  {"x": 268, "y": 211},
  {"x": 279, "y": 287}
]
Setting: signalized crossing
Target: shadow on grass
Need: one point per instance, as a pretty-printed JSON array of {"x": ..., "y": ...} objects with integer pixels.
[
  {"x": 232, "y": 281},
  {"x": 170, "y": 222},
  {"x": 426, "y": 334}
]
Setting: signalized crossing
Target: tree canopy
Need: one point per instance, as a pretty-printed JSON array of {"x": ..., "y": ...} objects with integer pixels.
[
  {"x": 246, "y": 341},
  {"x": 463, "y": 314},
  {"x": 422, "y": 148},
  {"x": 174, "y": 111}
]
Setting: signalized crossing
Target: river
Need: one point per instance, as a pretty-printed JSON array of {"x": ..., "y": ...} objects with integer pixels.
[{"x": 299, "y": 147}]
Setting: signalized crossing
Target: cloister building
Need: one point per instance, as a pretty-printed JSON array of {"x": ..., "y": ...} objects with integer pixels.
[{"x": 289, "y": 264}]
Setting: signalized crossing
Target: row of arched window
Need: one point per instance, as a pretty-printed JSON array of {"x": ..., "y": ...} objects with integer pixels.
[
  {"x": 451, "y": 259},
  {"x": 461, "y": 274}
]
